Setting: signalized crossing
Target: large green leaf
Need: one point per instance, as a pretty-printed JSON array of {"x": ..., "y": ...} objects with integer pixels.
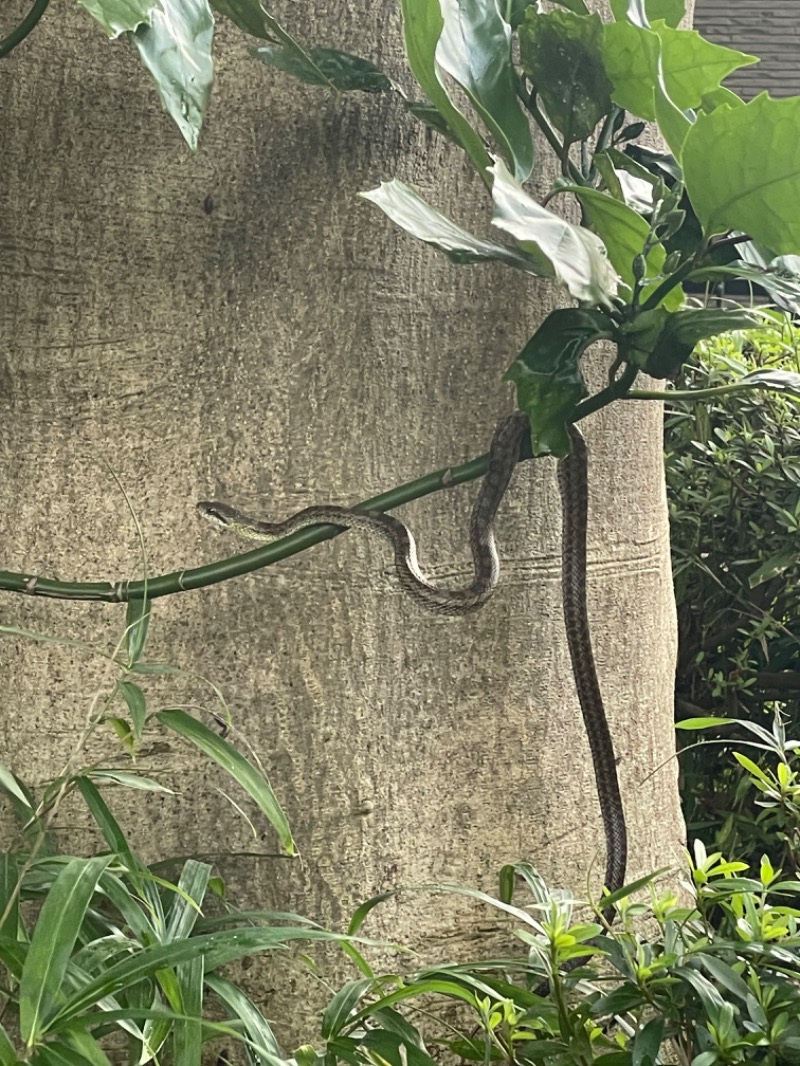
[
  {"x": 119, "y": 16},
  {"x": 691, "y": 66},
  {"x": 409, "y": 211},
  {"x": 422, "y": 28},
  {"x": 672, "y": 11},
  {"x": 547, "y": 373},
  {"x": 561, "y": 52},
  {"x": 176, "y": 49},
  {"x": 326, "y": 66},
  {"x": 572, "y": 254},
  {"x": 660, "y": 343},
  {"x": 742, "y": 171},
  {"x": 52, "y": 942},
  {"x": 475, "y": 50},
  {"x": 623, "y": 231},
  {"x": 243, "y": 772}
]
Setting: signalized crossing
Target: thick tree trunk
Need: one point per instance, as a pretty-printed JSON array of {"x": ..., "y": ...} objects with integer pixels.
[{"x": 236, "y": 324}]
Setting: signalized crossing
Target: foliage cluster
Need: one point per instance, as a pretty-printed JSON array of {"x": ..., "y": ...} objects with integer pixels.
[
  {"x": 733, "y": 481},
  {"x": 109, "y": 945}
]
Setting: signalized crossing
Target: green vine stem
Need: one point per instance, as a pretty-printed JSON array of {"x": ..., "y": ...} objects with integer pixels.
[
  {"x": 247, "y": 562},
  {"x": 9, "y": 43},
  {"x": 235, "y": 566}
]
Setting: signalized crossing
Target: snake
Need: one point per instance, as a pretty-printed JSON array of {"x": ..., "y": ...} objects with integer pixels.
[{"x": 504, "y": 453}]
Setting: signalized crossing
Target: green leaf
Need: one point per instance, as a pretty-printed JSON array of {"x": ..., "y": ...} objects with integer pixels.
[
  {"x": 52, "y": 942},
  {"x": 774, "y": 566},
  {"x": 573, "y": 255},
  {"x": 218, "y": 949},
  {"x": 475, "y": 50},
  {"x": 561, "y": 52},
  {"x": 136, "y": 704},
  {"x": 547, "y": 373},
  {"x": 9, "y": 896},
  {"x": 326, "y": 66},
  {"x": 678, "y": 334},
  {"x": 129, "y": 780},
  {"x": 647, "y": 1043},
  {"x": 187, "y": 1033},
  {"x": 694, "y": 66},
  {"x": 60, "y": 1053},
  {"x": 672, "y": 11},
  {"x": 256, "y": 1027},
  {"x": 623, "y": 231},
  {"x": 8, "y": 1055},
  {"x": 409, "y": 211},
  {"x": 723, "y": 974},
  {"x": 630, "y": 58},
  {"x": 393, "y": 1049},
  {"x": 185, "y": 908},
  {"x": 338, "y": 1012},
  {"x": 109, "y": 827},
  {"x": 137, "y": 621},
  {"x": 176, "y": 49},
  {"x": 422, "y": 28},
  {"x": 363, "y": 910},
  {"x": 243, "y": 772},
  {"x": 635, "y": 58},
  {"x": 578, "y": 6},
  {"x": 754, "y": 190},
  {"x": 119, "y": 16},
  {"x": 703, "y": 723},
  {"x": 88, "y": 1050}
]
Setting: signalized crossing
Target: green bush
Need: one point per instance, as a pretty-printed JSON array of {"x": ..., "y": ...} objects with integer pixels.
[{"x": 733, "y": 481}]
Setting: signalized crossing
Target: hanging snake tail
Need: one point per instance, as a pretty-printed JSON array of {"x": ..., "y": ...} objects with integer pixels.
[{"x": 573, "y": 487}]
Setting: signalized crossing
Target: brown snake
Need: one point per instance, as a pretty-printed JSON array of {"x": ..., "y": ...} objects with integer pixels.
[{"x": 573, "y": 486}]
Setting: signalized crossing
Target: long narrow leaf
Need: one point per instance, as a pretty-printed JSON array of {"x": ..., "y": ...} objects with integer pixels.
[
  {"x": 8, "y": 1056},
  {"x": 192, "y": 887},
  {"x": 52, "y": 943},
  {"x": 256, "y": 1027},
  {"x": 109, "y": 827},
  {"x": 243, "y": 772},
  {"x": 216, "y": 948},
  {"x": 9, "y": 895},
  {"x": 188, "y": 1033}
]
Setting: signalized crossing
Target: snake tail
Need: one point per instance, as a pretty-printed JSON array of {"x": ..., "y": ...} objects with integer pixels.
[{"x": 573, "y": 487}]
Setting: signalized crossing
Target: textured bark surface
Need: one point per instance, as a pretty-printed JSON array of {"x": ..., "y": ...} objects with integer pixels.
[
  {"x": 770, "y": 31},
  {"x": 238, "y": 325}
]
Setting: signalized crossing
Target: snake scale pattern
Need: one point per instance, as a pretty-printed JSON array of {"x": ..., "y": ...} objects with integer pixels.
[{"x": 573, "y": 487}]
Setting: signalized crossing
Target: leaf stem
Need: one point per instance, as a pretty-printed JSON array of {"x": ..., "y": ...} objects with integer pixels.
[
  {"x": 696, "y": 394},
  {"x": 9, "y": 43}
]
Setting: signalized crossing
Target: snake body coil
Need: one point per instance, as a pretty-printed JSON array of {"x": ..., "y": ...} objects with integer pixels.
[{"x": 573, "y": 486}]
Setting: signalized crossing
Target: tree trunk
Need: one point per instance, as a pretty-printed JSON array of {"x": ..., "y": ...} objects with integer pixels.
[{"x": 236, "y": 324}]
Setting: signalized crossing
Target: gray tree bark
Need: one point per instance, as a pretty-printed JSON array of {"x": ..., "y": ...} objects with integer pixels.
[{"x": 237, "y": 325}]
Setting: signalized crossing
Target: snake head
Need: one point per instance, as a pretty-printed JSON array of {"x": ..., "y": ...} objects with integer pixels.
[{"x": 215, "y": 513}]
